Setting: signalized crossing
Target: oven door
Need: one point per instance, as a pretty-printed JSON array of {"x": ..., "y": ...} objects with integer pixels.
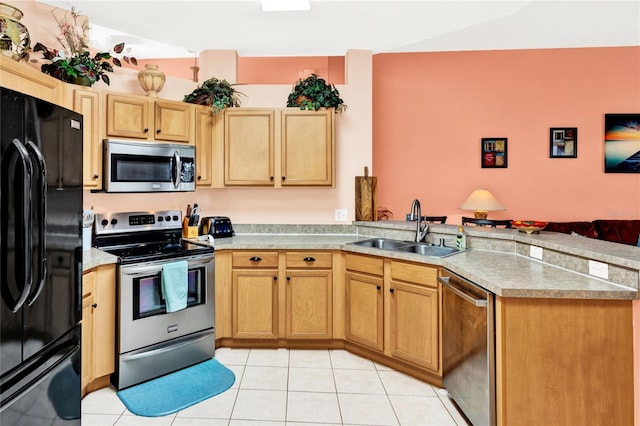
[{"x": 143, "y": 320}]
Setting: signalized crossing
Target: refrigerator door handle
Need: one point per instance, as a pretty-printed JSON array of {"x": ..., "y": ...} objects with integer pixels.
[
  {"x": 23, "y": 257},
  {"x": 40, "y": 174}
]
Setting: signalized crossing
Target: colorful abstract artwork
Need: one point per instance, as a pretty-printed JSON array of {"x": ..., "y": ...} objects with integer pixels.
[{"x": 622, "y": 143}]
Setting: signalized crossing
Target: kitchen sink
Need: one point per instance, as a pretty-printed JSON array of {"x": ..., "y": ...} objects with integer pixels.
[
  {"x": 423, "y": 249},
  {"x": 381, "y": 243},
  {"x": 428, "y": 250}
]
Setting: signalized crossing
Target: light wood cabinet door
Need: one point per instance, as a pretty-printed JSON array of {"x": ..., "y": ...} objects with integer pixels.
[
  {"x": 98, "y": 325},
  {"x": 255, "y": 303},
  {"x": 25, "y": 79},
  {"x": 138, "y": 117},
  {"x": 203, "y": 118},
  {"x": 249, "y": 147},
  {"x": 87, "y": 326},
  {"x": 128, "y": 117},
  {"x": 104, "y": 321},
  {"x": 309, "y": 304},
  {"x": 307, "y": 144},
  {"x": 87, "y": 103},
  {"x": 414, "y": 314},
  {"x": 172, "y": 121},
  {"x": 364, "y": 309},
  {"x": 414, "y": 324}
]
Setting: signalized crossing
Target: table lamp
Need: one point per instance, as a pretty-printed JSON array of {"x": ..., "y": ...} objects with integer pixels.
[{"x": 481, "y": 201}]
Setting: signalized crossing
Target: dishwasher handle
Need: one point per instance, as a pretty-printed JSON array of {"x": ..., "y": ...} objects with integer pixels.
[{"x": 480, "y": 303}]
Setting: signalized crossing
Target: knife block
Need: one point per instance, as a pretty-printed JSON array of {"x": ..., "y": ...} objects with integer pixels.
[{"x": 188, "y": 231}]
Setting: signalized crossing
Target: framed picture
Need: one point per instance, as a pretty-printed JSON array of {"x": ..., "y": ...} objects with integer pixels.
[
  {"x": 622, "y": 143},
  {"x": 493, "y": 154},
  {"x": 563, "y": 142}
]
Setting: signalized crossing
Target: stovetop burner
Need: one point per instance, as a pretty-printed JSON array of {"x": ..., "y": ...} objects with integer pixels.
[{"x": 142, "y": 236}]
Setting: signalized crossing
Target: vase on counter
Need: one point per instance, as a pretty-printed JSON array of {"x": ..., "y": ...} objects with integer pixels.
[
  {"x": 14, "y": 36},
  {"x": 151, "y": 79}
]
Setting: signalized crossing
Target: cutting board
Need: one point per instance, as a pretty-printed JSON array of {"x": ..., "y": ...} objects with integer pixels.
[{"x": 366, "y": 196}]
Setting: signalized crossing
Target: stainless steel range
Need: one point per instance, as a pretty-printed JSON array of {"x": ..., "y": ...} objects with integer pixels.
[{"x": 151, "y": 341}]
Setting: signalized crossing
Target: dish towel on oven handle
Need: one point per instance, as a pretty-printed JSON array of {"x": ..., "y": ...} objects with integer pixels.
[{"x": 175, "y": 285}]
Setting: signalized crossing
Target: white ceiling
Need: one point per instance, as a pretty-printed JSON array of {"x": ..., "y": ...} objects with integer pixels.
[{"x": 155, "y": 29}]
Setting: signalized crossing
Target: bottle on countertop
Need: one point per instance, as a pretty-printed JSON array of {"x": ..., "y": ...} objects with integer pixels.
[{"x": 461, "y": 238}]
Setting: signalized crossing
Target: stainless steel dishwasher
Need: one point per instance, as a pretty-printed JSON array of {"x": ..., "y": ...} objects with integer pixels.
[{"x": 468, "y": 348}]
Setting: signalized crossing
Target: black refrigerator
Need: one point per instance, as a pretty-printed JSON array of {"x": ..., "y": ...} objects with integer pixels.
[{"x": 40, "y": 261}]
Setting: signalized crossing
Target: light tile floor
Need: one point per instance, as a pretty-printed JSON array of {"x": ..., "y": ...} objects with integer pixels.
[{"x": 282, "y": 387}]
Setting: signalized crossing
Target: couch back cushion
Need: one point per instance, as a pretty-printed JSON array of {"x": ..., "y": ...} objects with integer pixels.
[
  {"x": 586, "y": 229},
  {"x": 618, "y": 231}
]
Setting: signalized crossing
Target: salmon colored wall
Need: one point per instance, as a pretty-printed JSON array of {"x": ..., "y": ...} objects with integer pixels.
[
  {"x": 288, "y": 70},
  {"x": 430, "y": 111}
]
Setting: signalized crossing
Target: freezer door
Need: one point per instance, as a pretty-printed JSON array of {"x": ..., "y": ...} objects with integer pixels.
[{"x": 45, "y": 391}]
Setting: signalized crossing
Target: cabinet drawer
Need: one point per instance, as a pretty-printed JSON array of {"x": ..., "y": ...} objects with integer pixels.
[
  {"x": 308, "y": 260},
  {"x": 413, "y": 273},
  {"x": 366, "y": 264},
  {"x": 255, "y": 259}
]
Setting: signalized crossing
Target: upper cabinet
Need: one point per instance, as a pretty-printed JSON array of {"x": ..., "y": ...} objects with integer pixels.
[
  {"x": 278, "y": 147},
  {"x": 25, "y": 79},
  {"x": 307, "y": 147},
  {"x": 88, "y": 102},
  {"x": 204, "y": 141},
  {"x": 139, "y": 117}
]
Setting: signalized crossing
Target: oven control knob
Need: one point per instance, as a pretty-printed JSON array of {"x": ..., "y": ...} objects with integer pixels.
[
  {"x": 160, "y": 218},
  {"x": 104, "y": 222},
  {"x": 167, "y": 218},
  {"x": 176, "y": 218},
  {"x": 114, "y": 222}
]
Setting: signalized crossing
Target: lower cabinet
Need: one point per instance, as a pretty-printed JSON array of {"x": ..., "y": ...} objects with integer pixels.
[
  {"x": 414, "y": 314},
  {"x": 254, "y": 292},
  {"x": 364, "y": 308},
  {"x": 281, "y": 295},
  {"x": 401, "y": 297},
  {"x": 98, "y": 327}
]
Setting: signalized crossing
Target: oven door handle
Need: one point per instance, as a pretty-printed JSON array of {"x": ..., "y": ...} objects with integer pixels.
[
  {"x": 480, "y": 303},
  {"x": 169, "y": 348},
  {"x": 141, "y": 270},
  {"x": 156, "y": 269}
]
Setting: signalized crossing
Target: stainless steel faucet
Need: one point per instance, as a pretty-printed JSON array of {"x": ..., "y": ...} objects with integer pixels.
[{"x": 416, "y": 214}]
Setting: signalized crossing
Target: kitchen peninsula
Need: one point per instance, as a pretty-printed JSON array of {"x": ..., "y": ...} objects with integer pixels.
[{"x": 557, "y": 327}]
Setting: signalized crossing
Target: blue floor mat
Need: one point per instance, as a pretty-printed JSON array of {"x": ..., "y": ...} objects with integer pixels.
[{"x": 177, "y": 391}]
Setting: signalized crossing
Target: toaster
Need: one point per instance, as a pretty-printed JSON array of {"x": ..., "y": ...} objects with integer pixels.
[{"x": 216, "y": 226}]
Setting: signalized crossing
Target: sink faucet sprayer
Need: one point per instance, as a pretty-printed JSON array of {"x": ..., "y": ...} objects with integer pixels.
[{"x": 416, "y": 214}]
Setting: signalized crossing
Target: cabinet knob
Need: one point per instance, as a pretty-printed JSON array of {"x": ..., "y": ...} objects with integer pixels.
[
  {"x": 275, "y": 278},
  {"x": 271, "y": 178},
  {"x": 309, "y": 259},
  {"x": 378, "y": 287},
  {"x": 145, "y": 130},
  {"x": 391, "y": 290},
  {"x": 95, "y": 305},
  {"x": 96, "y": 176},
  {"x": 283, "y": 178},
  {"x": 158, "y": 130},
  {"x": 255, "y": 259},
  {"x": 199, "y": 177},
  {"x": 288, "y": 278}
]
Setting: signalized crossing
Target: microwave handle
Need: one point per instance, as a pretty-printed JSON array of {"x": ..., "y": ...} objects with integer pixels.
[{"x": 177, "y": 169}]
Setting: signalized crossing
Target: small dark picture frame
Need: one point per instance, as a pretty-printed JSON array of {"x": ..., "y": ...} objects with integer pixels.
[
  {"x": 563, "y": 142},
  {"x": 493, "y": 153}
]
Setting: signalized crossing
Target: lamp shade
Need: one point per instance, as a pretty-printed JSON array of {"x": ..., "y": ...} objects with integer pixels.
[{"x": 481, "y": 201}]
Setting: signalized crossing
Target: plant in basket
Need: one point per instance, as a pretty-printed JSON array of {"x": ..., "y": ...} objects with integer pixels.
[
  {"x": 74, "y": 63},
  {"x": 218, "y": 94},
  {"x": 313, "y": 93}
]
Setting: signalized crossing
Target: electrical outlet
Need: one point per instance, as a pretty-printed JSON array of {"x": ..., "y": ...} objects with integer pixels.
[
  {"x": 535, "y": 252},
  {"x": 341, "y": 215},
  {"x": 599, "y": 269}
]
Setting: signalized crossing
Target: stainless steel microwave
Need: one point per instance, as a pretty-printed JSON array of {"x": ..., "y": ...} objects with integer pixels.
[{"x": 131, "y": 166}]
